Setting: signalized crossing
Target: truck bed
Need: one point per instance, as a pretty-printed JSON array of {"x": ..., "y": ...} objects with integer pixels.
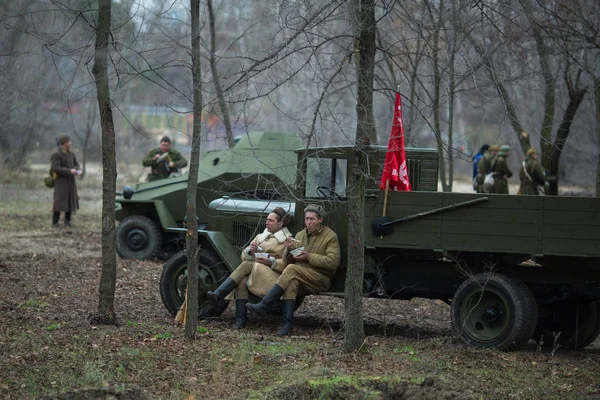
[{"x": 513, "y": 224}]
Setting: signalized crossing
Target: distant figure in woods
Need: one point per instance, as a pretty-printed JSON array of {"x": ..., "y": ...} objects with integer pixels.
[
  {"x": 484, "y": 167},
  {"x": 476, "y": 177},
  {"x": 501, "y": 171},
  {"x": 532, "y": 175},
  {"x": 163, "y": 161},
  {"x": 262, "y": 264},
  {"x": 64, "y": 167}
]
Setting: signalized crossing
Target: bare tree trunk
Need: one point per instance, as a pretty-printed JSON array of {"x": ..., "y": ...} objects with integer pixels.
[
  {"x": 576, "y": 95},
  {"x": 216, "y": 79},
  {"x": 108, "y": 278},
  {"x": 191, "y": 239},
  {"x": 363, "y": 17},
  {"x": 597, "y": 100}
]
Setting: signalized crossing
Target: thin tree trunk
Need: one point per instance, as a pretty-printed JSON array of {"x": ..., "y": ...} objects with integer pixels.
[
  {"x": 363, "y": 18},
  {"x": 108, "y": 278},
  {"x": 597, "y": 100},
  {"x": 452, "y": 94},
  {"x": 216, "y": 79},
  {"x": 191, "y": 241},
  {"x": 576, "y": 95}
]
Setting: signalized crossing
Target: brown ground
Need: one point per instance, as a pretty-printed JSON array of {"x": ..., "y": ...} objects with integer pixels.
[{"x": 49, "y": 286}]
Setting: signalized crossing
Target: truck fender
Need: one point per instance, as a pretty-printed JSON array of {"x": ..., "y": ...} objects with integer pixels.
[
  {"x": 218, "y": 243},
  {"x": 154, "y": 209}
]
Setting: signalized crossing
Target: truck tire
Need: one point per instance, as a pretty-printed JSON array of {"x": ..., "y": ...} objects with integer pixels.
[
  {"x": 492, "y": 310},
  {"x": 138, "y": 237},
  {"x": 173, "y": 281},
  {"x": 577, "y": 322}
]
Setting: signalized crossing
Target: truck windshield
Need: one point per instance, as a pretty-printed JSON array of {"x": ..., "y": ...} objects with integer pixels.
[{"x": 328, "y": 174}]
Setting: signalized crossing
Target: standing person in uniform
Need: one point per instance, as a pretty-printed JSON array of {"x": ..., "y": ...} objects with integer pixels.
[
  {"x": 271, "y": 242},
  {"x": 476, "y": 159},
  {"x": 484, "y": 167},
  {"x": 163, "y": 160},
  {"x": 501, "y": 171},
  {"x": 64, "y": 168},
  {"x": 532, "y": 175},
  {"x": 309, "y": 268}
]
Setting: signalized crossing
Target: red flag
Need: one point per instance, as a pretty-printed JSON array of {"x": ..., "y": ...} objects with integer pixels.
[{"x": 395, "y": 169}]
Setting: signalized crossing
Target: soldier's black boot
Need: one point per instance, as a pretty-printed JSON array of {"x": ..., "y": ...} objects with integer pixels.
[
  {"x": 221, "y": 292},
  {"x": 67, "y": 220},
  {"x": 264, "y": 306},
  {"x": 55, "y": 218},
  {"x": 289, "y": 307},
  {"x": 241, "y": 313}
]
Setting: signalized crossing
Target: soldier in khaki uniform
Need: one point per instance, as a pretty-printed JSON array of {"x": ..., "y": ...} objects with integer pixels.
[
  {"x": 312, "y": 260},
  {"x": 272, "y": 242},
  {"x": 485, "y": 166},
  {"x": 501, "y": 171},
  {"x": 532, "y": 175}
]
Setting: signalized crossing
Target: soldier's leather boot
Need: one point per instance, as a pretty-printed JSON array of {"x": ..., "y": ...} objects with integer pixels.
[
  {"x": 219, "y": 294},
  {"x": 67, "y": 220},
  {"x": 264, "y": 306},
  {"x": 55, "y": 218},
  {"x": 241, "y": 313},
  {"x": 289, "y": 307}
]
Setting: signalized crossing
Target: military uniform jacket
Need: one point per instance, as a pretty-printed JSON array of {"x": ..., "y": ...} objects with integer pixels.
[
  {"x": 536, "y": 173},
  {"x": 65, "y": 189},
  {"x": 500, "y": 169},
  {"x": 323, "y": 248},
  {"x": 160, "y": 167}
]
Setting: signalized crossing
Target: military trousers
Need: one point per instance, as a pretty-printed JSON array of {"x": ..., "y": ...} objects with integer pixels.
[
  {"x": 240, "y": 276},
  {"x": 300, "y": 280}
]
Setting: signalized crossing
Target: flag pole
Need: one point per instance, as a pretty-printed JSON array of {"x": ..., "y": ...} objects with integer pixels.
[{"x": 385, "y": 197}]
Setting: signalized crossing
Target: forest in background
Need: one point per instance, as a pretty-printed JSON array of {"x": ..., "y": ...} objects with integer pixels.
[{"x": 470, "y": 72}]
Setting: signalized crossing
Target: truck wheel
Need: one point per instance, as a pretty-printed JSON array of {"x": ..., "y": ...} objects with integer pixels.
[
  {"x": 173, "y": 281},
  {"x": 138, "y": 237},
  {"x": 577, "y": 323},
  {"x": 491, "y": 310}
]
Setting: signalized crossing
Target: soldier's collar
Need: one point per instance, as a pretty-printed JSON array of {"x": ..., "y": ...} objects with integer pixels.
[{"x": 315, "y": 233}]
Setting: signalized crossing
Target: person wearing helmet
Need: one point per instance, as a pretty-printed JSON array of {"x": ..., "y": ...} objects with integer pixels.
[
  {"x": 532, "y": 175},
  {"x": 501, "y": 170}
]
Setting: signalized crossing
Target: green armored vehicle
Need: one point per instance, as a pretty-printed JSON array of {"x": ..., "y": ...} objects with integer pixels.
[
  {"x": 512, "y": 268},
  {"x": 262, "y": 165}
]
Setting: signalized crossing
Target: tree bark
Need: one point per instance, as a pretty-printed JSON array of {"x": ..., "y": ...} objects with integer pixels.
[
  {"x": 216, "y": 79},
  {"x": 576, "y": 95},
  {"x": 108, "y": 277},
  {"x": 363, "y": 17},
  {"x": 191, "y": 239},
  {"x": 597, "y": 101}
]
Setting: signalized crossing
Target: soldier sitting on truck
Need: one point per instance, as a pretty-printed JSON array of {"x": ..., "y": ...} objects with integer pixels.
[
  {"x": 312, "y": 259},
  {"x": 164, "y": 160},
  {"x": 262, "y": 261}
]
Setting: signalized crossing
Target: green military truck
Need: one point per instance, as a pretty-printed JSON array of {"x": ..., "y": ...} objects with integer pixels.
[
  {"x": 262, "y": 165},
  {"x": 512, "y": 268}
]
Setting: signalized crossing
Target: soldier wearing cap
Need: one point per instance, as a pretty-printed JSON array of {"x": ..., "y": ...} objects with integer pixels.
[
  {"x": 501, "y": 170},
  {"x": 163, "y": 160},
  {"x": 312, "y": 259},
  {"x": 64, "y": 167},
  {"x": 485, "y": 165},
  {"x": 532, "y": 175}
]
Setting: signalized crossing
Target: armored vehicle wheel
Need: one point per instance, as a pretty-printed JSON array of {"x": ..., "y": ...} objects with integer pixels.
[
  {"x": 173, "y": 280},
  {"x": 491, "y": 310},
  {"x": 577, "y": 323},
  {"x": 138, "y": 237}
]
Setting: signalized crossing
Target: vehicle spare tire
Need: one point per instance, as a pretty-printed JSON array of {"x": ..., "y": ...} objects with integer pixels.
[
  {"x": 173, "y": 281},
  {"x": 570, "y": 324},
  {"x": 493, "y": 310},
  {"x": 138, "y": 237}
]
